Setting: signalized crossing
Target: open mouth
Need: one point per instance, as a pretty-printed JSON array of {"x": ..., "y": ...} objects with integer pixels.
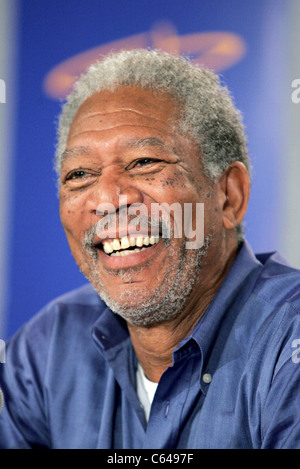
[{"x": 127, "y": 245}]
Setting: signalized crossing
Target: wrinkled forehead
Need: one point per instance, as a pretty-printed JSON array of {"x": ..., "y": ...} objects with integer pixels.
[
  {"x": 138, "y": 117},
  {"x": 126, "y": 105}
]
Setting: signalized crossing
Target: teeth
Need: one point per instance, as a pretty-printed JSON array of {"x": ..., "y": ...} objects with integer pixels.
[
  {"x": 132, "y": 241},
  {"x": 116, "y": 245},
  {"x": 139, "y": 241},
  {"x": 126, "y": 253},
  {"x": 146, "y": 241},
  {"x": 107, "y": 247},
  {"x": 125, "y": 242}
]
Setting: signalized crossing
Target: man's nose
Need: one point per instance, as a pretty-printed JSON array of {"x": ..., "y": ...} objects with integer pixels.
[{"x": 113, "y": 191}]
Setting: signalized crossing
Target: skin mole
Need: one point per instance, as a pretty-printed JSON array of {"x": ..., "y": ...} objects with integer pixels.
[{"x": 169, "y": 181}]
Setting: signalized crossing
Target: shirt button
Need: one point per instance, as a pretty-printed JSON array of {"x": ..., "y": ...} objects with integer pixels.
[{"x": 206, "y": 378}]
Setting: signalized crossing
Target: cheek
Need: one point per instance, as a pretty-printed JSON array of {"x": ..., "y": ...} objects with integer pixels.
[
  {"x": 71, "y": 215},
  {"x": 73, "y": 230},
  {"x": 212, "y": 216},
  {"x": 171, "y": 187}
]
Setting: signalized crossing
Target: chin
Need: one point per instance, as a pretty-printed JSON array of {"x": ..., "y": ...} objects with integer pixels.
[
  {"x": 140, "y": 308},
  {"x": 146, "y": 304}
]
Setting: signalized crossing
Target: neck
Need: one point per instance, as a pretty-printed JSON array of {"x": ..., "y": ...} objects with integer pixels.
[{"x": 154, "y": 344}]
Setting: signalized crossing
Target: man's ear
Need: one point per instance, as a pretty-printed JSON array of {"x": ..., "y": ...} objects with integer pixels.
[{"x": 235, "y": 192}]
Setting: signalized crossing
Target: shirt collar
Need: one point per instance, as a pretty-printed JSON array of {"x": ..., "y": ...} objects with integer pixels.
[{"x": 110, "y": 330}]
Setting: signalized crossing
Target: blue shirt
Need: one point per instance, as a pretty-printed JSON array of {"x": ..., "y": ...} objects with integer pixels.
[{"x": 69, "y": 376}]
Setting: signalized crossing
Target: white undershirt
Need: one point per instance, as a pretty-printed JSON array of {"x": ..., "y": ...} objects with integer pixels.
[{"x": 145, "y": 390}]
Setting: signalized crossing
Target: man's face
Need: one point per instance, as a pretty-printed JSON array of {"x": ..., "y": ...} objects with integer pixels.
[{"x": 125, "y": 144}]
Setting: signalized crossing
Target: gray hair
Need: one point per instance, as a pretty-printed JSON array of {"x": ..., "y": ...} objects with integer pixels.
[{"x": 208, "y": 113}]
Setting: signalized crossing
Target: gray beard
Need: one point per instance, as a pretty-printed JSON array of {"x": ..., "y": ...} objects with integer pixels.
[{"x": 164, "y": 303}]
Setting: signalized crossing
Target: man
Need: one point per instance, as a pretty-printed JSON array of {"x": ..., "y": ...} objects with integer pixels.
[{"x": 190, "y": 345}]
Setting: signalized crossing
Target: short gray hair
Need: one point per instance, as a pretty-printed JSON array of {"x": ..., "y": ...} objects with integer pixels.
[{"x": 208, "y": 113}]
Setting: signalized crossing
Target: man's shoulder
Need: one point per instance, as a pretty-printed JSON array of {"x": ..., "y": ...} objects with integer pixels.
[
  {"x": 76, "y": 309},
  {"x": 278, "y": 282},
  {"x": 271, "y": 314},
  {"x": 84, "y": 295},
  {"x": 64, "y": 324},
  {"x": 82, "y": 298},
  {"x": 274, "y": 319}
]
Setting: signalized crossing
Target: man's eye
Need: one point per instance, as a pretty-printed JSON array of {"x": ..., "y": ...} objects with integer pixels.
[
  {"x": 142, "y": 162},
  {"x": 145, "y": 161},
  {"x": 78, "y": 174},
  {"x": 80, "y": 178}
]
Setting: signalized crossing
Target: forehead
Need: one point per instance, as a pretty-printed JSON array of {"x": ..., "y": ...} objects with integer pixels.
[
  {"x": 129, "y": 118},
  {"x": 125, "y": 106}
]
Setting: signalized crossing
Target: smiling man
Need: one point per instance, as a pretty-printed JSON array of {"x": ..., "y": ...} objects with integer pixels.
[
  {"x": 124, "y": 144},
  {"x": 172, "y": 344}
]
